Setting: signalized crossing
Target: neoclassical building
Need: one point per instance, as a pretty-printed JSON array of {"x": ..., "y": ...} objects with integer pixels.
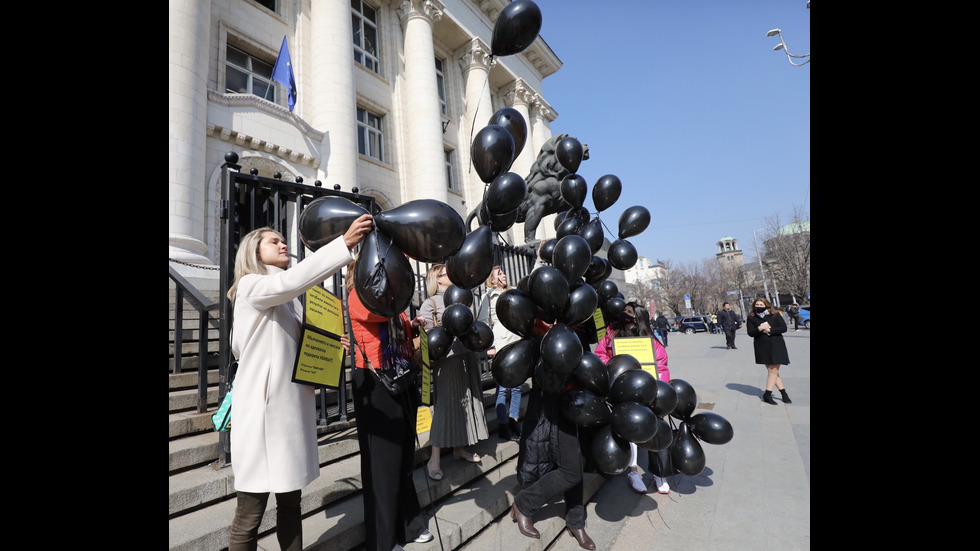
[{"x": 389, "y": 96}]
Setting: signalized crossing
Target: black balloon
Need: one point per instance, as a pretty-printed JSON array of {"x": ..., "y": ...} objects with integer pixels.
[
  {"x": 607, "y": 290},
  {"x": 687, "y": 399},
  {"x": 561, "y": 348},
  {"x": 661, "y": 440},
  {"x": 472, "y": 264},
  {"x": 591, "y": 374},
  {"x": 599, "y": 270},
  {"x": 515, "y": 310},
  {"x": 633, "y": 421},
  {"x": 666, "y": 399},
  {"x": 457, "y": 295},
  {"x": 492, "y": 152},
  {"x": 548, "y": 287},
  {"x": 622, "y": 254},
  {"x": 549, "y": 380},
  {"x": 633, "y": 221},
  {"x": 619, "y": 364},
  {"x": 606, "y": 191},
  {"x": 514, "y": 122},
  {"x": 516, "y": 28},
  {"x": 634, "y": 385},
  {"x": 503, "y": 222},
  {"x": 572, "y": 257},
  {"x": 569, "y": 152},
  {"x": 712, "y": 428},
  {"x": 424, "y": 229},
  {"x": 610, "y": 452},
  {"x": 326, "y": 219},
  {"x": 613, "y": 308},
  {"x": 547, "y": 250},
  {"x": 440, "y": 342},
  {"x": 581, "y": 305},
  {"x": 574, "y": 188},
  {"x": 505, "y": 193},
  {"x": 686, "y": 453},
  {"x": 479, "y": 337},
  {"x": 383, "y": 276},
  {"x": 559, "y": 218},
  {"x": 569, "y": 226},
  {"x": 457, "y": 319},
  {"x": 513, "y": 363},
  {"x": 584, "y": 408},
  {"x": 593, "y": 234},
  {"x": 580, "y": 213}
]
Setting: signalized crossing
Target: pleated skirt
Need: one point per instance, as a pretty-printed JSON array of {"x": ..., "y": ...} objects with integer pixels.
[{"x": 458, "y": 415}]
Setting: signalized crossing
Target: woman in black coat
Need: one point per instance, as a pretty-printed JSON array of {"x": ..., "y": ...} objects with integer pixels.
[{"x": 766, "y": 327}]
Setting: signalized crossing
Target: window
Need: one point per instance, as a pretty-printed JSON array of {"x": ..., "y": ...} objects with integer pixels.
[
  {"x": 449, "y": 171},
  {"x": 271, "y": 4},
  {"x": 370, "y": 136},
  {"x": 364, "y": 23},
  {"x": 441, "y": 84},
  {"x": 247, "y": 74}
]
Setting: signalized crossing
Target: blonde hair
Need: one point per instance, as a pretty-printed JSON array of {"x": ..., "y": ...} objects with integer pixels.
[
  {"x": 490, "y": 278},
  {"x": 432, "y": 278},
  {"x": 247, "y": 259}
]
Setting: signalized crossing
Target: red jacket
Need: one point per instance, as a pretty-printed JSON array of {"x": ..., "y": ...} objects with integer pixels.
[{"x": 365, "y": 326}]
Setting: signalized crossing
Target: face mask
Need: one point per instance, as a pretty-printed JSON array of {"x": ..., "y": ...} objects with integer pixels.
[
  {"x": 626, "y": 318},
  {"x": 760, "y": 309}
]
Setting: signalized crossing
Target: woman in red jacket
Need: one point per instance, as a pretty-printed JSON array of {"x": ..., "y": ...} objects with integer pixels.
[{"x": 385, "y": 429}]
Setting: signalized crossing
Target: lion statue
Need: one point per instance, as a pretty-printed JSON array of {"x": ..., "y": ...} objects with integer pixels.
[{"x": 543, "y": 189}]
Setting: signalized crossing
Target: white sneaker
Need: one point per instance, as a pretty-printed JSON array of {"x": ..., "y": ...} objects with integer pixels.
[
  {"x": 425, "y": 537},
  {"x": 661, "y": 484},
  {"x": 636, "y": 482}
]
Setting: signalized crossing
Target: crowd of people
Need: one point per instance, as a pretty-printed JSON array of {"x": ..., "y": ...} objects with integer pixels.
[{"x": 274, "y": 438}]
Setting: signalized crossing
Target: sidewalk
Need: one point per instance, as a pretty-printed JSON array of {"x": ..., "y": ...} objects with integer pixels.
[{"x": 754, "y": 492}]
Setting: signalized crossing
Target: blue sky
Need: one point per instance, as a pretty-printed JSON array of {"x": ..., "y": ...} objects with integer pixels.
[{"x": 687, "y": 103}]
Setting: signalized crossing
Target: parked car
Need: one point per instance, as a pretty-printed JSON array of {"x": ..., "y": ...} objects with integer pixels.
[
  {"x": 805, "y": 316},
  {"x": 692, "y": 324}
]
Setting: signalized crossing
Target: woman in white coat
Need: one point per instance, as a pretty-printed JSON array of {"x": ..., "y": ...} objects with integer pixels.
[{"x": 273, "y": 434}]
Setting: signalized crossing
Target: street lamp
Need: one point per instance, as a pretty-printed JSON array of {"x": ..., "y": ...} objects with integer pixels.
[
  {"x": 782, "y": 46},
  {"x": 762, "y": 270}
]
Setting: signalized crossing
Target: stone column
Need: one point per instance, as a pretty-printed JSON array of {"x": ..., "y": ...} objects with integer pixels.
[
  {"x": 519, "y": 96},
  {"x": 190, "y": 36},
  {"x": 426, "y": 160},
  {"x": 475, "y": 62},
  {"x": 540, "y": 128},
  {"x": 332, "y": 85}
]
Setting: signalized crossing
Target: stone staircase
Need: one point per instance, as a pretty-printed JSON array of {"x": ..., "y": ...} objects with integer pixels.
[{"x": 470, "y": 504}]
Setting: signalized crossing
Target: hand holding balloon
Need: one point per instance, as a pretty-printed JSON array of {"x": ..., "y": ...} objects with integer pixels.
[{"x": 358, "y": 230}]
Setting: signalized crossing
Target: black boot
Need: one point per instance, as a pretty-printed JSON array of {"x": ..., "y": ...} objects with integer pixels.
[
  {"x": 503, "y": 432},
  {"x": 515, "y": 429},
  {"x": 767, "y": 397},
  {"x": 785, "y": 396}
]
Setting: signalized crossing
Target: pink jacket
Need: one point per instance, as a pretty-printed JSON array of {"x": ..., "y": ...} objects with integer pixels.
[{"x": 605, "y": 352}]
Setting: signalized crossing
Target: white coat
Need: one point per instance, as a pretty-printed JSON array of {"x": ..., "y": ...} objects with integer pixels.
[{"x": 273, "y": 428}]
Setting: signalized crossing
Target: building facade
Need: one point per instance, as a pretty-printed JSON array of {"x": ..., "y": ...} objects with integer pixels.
[{"x": 389, "y": 96}]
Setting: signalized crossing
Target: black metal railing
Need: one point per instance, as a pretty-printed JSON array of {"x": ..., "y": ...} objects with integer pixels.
[{"x": 188, "y": 294}]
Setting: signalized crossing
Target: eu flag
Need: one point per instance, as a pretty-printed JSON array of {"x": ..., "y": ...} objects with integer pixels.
[{"x": 283, "y": 73}]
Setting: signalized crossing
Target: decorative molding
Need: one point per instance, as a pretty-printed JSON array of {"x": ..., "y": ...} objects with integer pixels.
[
  {"x": 518, "y": 92},
  {"x": 430, "y": 10},
  {"x": 478, "y": 55}
]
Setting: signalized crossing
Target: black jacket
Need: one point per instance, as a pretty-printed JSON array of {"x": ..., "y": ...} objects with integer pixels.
[
  {"x": 662, "y": 322},
  {"x": 728, "y": 320}
]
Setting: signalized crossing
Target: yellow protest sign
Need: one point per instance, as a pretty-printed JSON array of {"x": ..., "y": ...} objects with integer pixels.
[
  {"x": 320, "y": 358},
  {"x": 600, "y": 325},
  {"x": 426, "y": 370},
  {"x": 424, "y": 420}
]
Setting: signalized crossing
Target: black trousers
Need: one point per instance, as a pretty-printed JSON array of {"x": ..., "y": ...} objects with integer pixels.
[
  {"x": 386, "y": 433},
  {"x": 248, "y": 516},
  {"x": 566, "y": 478},
  {"x": 730, "y": 337},
  {"x": 663, "y": 335}
]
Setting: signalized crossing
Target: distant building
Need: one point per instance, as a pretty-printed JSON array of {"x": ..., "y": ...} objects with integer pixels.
[
  {"x": 729, "y": 255},
  {"x": 645, "y": 272}
]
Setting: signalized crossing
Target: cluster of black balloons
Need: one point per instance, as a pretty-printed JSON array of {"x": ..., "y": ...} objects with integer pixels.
[{"x": 625, "y": 403}]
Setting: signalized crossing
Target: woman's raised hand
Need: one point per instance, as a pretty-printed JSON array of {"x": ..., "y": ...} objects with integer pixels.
[{"x": 358, "y": 229}]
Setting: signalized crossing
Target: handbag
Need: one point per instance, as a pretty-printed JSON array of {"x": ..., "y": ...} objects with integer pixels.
[
  {"x": 398, "y": 373},
  {"x": 222, "y": 417}
]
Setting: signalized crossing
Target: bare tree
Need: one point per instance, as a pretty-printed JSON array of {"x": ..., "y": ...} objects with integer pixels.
[{"x": 786, "y": 253}]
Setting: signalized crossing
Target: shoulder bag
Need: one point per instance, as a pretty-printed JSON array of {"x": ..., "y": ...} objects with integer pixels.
[{"x": 398, "y": 373}]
